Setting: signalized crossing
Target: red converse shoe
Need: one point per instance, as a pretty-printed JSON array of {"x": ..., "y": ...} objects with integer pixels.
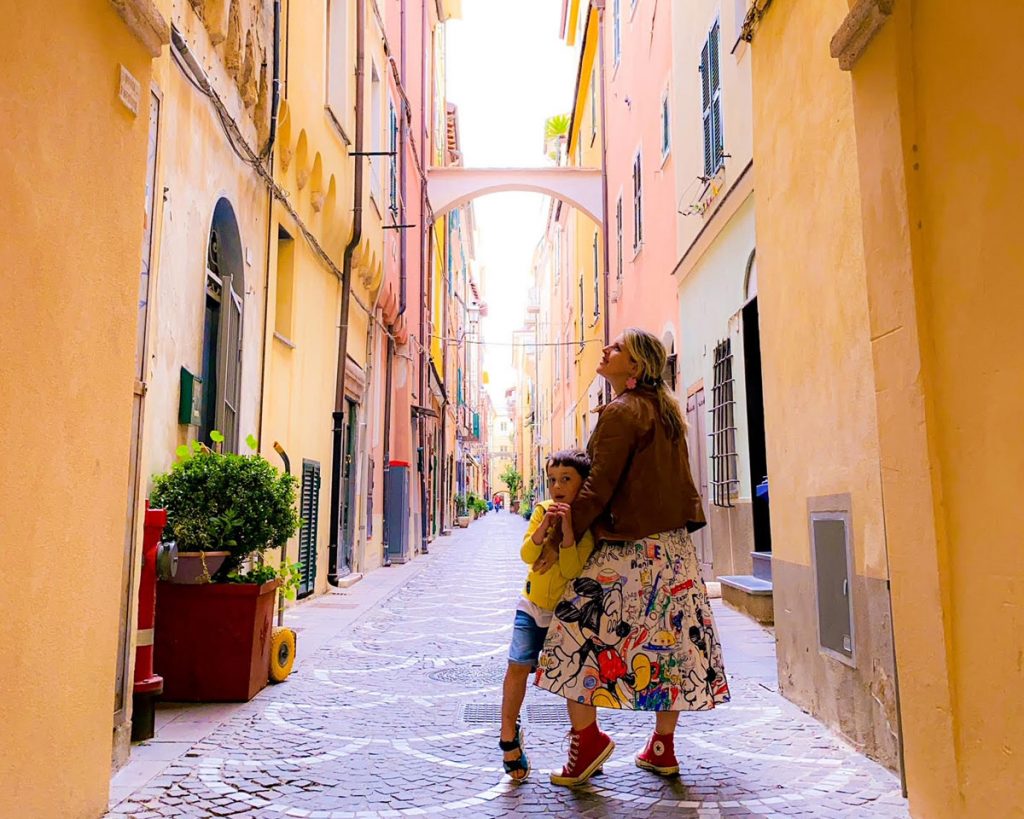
[
  {"x": 659, "y": 755},
  {"x": 588, "y": 749}
]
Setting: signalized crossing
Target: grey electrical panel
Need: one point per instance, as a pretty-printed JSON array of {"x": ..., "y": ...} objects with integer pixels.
[{"x": 831, "y": 555}]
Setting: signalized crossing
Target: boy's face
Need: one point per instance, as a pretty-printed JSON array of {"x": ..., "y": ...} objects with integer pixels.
[{"x": 563, "y": 483}]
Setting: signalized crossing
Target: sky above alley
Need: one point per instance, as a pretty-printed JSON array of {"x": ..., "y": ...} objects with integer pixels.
[{"x": 507, "y": 72}]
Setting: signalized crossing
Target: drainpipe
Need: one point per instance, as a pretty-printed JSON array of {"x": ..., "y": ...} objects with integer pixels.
[
  {"x": 385, "y": 534},
  {"x": 599, "y": 5},
  {"x": 424, "y": 241},
  {"x": 402, "y": 249},
  {"x": 338, "y": 416},
  {"x": 268, "y": 152}
]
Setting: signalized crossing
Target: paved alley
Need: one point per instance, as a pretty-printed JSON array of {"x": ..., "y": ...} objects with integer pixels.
[{"x": 393, "y": 711}]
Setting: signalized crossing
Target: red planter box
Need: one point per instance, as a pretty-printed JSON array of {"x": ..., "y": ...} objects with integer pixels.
[{"x": 212, "y": 641}]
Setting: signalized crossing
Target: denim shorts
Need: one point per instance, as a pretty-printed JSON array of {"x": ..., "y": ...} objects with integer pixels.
[{"x": 527, "y": 640}]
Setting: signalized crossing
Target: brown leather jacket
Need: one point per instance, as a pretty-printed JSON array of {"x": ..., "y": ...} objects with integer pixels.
[{"x": 640, "y": 481}]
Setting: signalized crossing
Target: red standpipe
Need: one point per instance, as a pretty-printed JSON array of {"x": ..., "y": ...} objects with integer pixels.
[{"x": 148, "y": 685}]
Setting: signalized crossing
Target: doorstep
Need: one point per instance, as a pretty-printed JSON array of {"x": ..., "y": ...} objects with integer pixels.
[{"x": 750, "y": 595}]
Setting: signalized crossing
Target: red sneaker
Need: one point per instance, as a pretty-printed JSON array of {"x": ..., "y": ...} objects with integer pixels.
[
  {"x": 588, "y": 749},
  {"x": 659, "y": 755}
]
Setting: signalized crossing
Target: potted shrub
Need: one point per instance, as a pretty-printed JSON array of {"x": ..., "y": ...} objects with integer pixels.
[
  {"x": 481, "y": 507},
  {"x": 212, "y": 640},
  {"x": 461, "y": 511}
]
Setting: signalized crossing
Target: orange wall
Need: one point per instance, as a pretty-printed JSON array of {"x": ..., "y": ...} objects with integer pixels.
[{"x": 73, "y": 168}]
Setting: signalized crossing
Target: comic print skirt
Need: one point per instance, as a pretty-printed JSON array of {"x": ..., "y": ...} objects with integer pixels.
[{"x": 635, "y": 631}]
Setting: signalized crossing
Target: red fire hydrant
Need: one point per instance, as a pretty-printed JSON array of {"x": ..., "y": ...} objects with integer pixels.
[{"x": 148, "y": 685}]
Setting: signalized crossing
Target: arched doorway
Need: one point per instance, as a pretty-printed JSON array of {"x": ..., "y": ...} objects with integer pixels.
[
  {"x": 755, "y": 410},
  {"x": 222, "y": 328}
]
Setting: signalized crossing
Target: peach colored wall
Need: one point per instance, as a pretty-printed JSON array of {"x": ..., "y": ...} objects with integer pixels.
[
  {"x": 73, "y": 167},
  {"x": 646, "y": 294}
]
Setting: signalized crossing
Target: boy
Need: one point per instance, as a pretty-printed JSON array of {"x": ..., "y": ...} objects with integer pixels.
[{"x": 554, "y": 557}]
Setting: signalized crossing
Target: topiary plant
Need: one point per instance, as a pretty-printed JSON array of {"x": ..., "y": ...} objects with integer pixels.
[{"x": 226, "y": 502}]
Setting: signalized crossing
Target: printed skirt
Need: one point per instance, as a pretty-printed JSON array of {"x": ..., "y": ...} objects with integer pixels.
[{"x": 635, "y": 631}]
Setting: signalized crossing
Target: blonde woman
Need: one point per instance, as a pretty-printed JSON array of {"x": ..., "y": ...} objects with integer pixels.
[{"x": 635, "y": 630}]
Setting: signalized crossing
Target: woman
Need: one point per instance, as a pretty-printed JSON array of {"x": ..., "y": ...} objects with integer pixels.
[{"x": 634, "y": 630}]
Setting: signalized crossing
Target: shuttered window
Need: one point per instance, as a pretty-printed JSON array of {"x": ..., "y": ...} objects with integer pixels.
[
  {"x": 638, "y": 211},
  {"x": 309, "y": 511},
  {"x": 711, "y": 98}
]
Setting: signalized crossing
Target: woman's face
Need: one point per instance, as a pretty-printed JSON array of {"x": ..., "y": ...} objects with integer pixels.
[{"x": 616, "y": 364}]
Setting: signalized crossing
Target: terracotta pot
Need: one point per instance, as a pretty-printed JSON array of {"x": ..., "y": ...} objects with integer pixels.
[
  {"x": 190, "y": 566},
  {"x": 463, "y": 521},
  {"x": 212, "y": 640}
]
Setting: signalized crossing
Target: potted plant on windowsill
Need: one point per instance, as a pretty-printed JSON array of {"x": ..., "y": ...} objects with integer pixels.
[{"x": 212, "y": 638}]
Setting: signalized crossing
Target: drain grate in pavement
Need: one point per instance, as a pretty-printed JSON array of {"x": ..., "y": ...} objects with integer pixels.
[
  {"x": 467, "y": 674},
  {"x": 488, "y": 713}
]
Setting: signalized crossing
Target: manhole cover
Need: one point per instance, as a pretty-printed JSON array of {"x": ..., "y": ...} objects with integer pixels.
[
  {"x": 486, "y": 713},
  {"x": 467, "y": 674}
]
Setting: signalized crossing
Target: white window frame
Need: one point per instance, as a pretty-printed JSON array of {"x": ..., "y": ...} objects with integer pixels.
[
  {"x": 338, "y": 74},
  {"x": 394, "y": 125},
  {"x": 638, "y": 201}
]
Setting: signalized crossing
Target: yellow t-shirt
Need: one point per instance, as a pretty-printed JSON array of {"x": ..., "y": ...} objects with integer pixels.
[{"x": 546, "y": 589}]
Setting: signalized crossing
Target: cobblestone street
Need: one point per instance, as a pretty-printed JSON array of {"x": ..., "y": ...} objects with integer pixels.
[{"x": 397, "y": 715}]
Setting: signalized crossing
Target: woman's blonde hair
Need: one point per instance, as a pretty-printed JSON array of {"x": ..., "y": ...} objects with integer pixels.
[{"x": 649, "y": 353}]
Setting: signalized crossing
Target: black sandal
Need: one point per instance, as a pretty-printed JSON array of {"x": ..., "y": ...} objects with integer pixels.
[{"x": 519, "y": 764}]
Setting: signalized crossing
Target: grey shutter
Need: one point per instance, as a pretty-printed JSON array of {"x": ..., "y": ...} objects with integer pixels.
[
  {"x": 309, "y": 511},
  {"x": 229, "y": 355},
  {"x": 705, "y": 83}
]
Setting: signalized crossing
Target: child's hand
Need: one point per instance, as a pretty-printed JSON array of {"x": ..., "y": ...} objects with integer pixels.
[
  {"x": 568, "y": 538},
  {"x": 548, "y": 558},
  {"x": 550, "y": 519}
]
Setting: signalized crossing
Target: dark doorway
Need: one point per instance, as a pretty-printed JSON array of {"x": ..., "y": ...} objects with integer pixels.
[
  {"x": 348, "y": 484},
  {"x": 755, "y": 427}
]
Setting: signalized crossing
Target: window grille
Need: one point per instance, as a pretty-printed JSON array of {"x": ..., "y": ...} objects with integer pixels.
[{"x": 724, "y": 479}]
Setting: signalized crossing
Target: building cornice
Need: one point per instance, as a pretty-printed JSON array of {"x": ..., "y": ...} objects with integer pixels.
[
  {"x": 145, "y": 21},
  {"x": 863, "y": 22}
]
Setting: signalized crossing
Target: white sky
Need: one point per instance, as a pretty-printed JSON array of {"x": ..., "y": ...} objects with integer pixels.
[{"x": 507, "y": 71}]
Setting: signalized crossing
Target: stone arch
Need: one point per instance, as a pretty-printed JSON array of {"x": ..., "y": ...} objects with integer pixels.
[{"x": 453, "y": 187}]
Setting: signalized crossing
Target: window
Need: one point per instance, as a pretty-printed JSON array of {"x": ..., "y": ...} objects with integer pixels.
[
  {"x": 393, "y": 147},
  {"x": 724, "y": 480},
  {"x": 616, "y": 31},
  {"x": 638, "y": 216},
  {"x": 597, "y": 279},
  {"x": 666, "y": 126},
  {"x": 711, "y": 96},
  {"x": 618, "y": 239},
  {"x": 309, "y": 513},
  {"x": 285, "y": 274},
  {"x": 558, "y": 253},
  {"x": 337, "y": 61},
  {"x": 376, "y": 133},
  {"x": 581, "y": 312}
]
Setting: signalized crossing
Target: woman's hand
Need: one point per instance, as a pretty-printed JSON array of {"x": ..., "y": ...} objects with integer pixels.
[{"x": 548, "y": 558}]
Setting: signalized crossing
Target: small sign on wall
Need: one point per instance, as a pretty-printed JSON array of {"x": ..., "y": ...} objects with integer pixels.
[{"x": 129, "y": 91}]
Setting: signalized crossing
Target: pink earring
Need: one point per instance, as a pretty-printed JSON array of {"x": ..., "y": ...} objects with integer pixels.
[{"x": 631, "y": 383}]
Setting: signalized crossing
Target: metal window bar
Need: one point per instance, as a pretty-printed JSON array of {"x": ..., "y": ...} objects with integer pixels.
[{"x": 724, "y": 471}]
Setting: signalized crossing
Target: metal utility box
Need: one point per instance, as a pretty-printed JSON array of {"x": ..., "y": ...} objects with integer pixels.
[{"x": 396, "y": 512}]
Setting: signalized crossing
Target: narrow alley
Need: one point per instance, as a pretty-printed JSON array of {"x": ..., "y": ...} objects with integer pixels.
[{"x": 392, "y": 711}]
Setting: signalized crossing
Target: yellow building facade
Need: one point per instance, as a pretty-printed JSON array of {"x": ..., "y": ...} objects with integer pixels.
[
  {"x": 922, "y": 257},
  {"x": 77, "y": 213}
]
